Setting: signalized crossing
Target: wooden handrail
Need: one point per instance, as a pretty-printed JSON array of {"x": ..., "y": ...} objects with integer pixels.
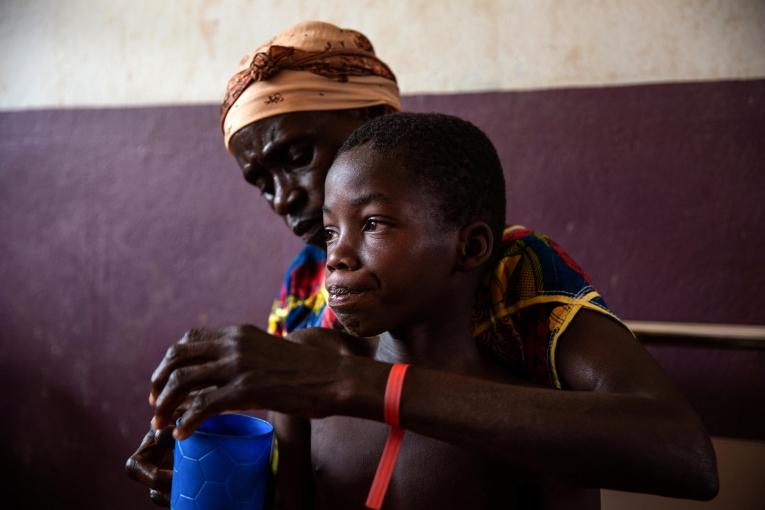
[{"x": 721, "y": 335}]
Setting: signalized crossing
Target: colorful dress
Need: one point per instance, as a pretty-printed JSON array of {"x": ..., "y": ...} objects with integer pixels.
[{"x": 521, "y": 311}]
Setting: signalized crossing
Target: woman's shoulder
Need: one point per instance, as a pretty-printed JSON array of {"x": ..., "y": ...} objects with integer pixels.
[
  {"x": 305, "y": 275},
  {"x": 540, "y": 260},
  {"x": 309, "y": 256}
]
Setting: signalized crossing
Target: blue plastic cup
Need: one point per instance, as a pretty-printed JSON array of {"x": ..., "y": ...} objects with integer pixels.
[{"x": 223, "y": 465}]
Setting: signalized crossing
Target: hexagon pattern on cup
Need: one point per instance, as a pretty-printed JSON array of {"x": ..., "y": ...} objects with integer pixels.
[
  {"x": 241, "y": 482},
  {"x": 194, "y": 449},
  {"x": 184, "y": 503},
  {"x": 211, "y": 494},
  {"x": 189, "y": 484},
  {"x": 217, "y": 469},
  {"x": 216, "y": 465}
]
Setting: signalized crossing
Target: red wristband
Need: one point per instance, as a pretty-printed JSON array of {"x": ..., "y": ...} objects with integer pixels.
[
  {"x": 387, "y": 463},
  {"x": 393, "y": 393}
]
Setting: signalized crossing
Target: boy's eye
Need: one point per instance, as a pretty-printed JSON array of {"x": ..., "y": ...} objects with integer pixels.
[
  {"x": 329, "y": 235},
  {"x": 371, "y": 225}
]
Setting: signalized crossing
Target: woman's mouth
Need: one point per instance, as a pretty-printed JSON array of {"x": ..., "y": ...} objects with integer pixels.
[{"x": 311, "y": 230}]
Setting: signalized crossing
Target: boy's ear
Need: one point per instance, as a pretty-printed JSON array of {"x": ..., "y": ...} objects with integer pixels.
[{"x": 476, "y": 244}]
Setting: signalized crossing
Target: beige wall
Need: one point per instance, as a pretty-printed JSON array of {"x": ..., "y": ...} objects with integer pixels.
[
  {"x": 123, "y": 52},
  {"x": 742, "y": 472}
]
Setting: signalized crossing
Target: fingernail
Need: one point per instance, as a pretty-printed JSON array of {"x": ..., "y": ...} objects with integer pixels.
[
  {"x": 155, "y": 423},
  {"x": 152, "y": 400}
]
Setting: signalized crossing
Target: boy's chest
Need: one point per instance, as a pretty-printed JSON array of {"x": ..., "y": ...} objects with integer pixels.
[{"x": 345, "y": 452}]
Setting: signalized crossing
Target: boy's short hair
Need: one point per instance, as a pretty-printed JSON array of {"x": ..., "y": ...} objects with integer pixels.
[{"x": 450, "y": 158}]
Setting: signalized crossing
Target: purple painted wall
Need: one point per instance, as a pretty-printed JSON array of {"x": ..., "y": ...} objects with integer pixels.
[
  {"x": 122, "y": 228},
  {"x": 657, "y": 191}
]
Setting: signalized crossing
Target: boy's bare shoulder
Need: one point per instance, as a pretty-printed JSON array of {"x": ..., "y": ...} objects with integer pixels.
[{"x": 334, "y": 340}]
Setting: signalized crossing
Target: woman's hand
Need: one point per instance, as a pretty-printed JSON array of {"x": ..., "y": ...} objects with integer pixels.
[
  {"x": 243, "y": 367},
  {"x": 152, "y": 465}
]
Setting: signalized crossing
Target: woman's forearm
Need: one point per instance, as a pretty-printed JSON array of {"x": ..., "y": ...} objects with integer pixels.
[{"x": 633, "y": 442}]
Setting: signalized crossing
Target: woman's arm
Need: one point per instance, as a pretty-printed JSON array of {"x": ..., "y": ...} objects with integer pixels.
[
  {"x": 294, "y": 475},
  {"x": 294, "y": 479},
  {"x": 622, "y": 425}
]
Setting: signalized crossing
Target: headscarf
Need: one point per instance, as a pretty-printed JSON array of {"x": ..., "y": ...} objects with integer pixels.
[{"x": 311, "y": 66}]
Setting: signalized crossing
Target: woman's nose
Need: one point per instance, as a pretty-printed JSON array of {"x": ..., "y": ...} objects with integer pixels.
[{"x": 288, "y": 197}]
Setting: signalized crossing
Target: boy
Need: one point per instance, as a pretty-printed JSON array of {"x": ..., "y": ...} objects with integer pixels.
[
  {"x": 413, "y": 212},
  {"x": 411, "y": 233}
]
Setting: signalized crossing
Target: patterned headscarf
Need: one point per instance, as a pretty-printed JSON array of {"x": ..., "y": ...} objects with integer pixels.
[{"x": 311, "y": 66}]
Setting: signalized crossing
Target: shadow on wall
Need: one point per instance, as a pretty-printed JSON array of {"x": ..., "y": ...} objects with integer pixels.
[{"x": 47, "y": 440}]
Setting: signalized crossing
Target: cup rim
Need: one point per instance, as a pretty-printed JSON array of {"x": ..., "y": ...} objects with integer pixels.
[{"x": 237, "y": 436}]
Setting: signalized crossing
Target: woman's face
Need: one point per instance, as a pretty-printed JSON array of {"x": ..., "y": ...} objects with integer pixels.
[{"x": 287, "y": 158}]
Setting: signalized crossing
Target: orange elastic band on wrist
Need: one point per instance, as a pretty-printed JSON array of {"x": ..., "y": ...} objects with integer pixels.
[{"x": 393, "y": 444}]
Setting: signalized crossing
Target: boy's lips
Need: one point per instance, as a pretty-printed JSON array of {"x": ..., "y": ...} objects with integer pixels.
[{"x": 344, "y": 298}]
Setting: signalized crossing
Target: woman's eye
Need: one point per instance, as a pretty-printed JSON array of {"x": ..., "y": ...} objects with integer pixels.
[
  {"x": 265, "y": 186},
  {"x": 300, "y": 158},
  {"x": 261, "y": 180}
]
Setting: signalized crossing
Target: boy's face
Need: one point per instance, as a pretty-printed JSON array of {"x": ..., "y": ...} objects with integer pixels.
[{"x": 389, "y": 258}]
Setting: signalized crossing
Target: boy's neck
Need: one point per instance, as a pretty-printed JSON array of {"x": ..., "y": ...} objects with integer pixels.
[{"x": 444, "y": 343}]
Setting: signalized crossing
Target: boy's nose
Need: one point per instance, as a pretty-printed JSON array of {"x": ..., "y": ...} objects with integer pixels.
[{"x": 341, "y": 255}]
